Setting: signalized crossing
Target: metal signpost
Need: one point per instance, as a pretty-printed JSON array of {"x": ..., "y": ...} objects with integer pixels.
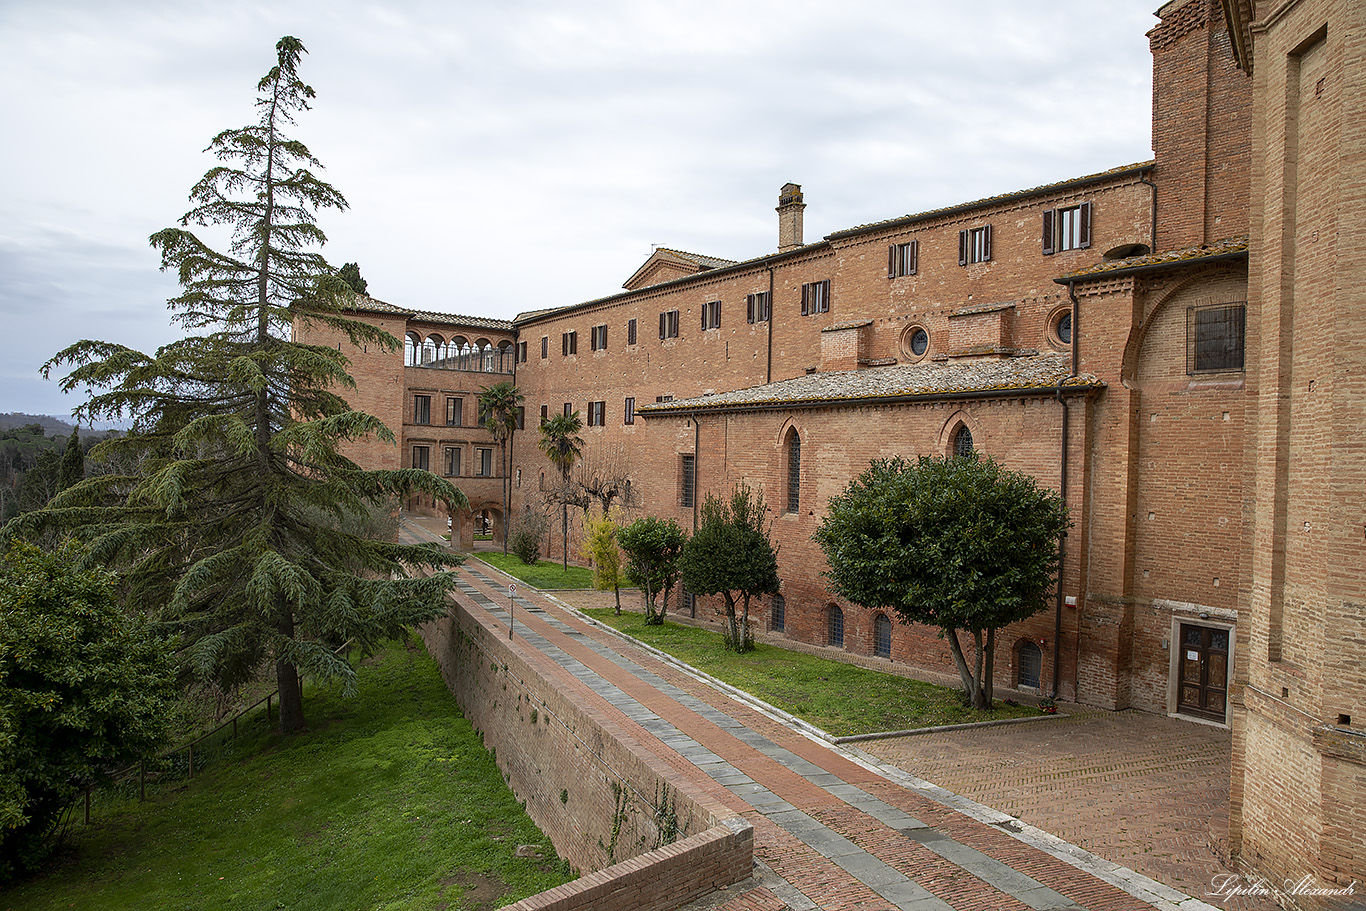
[{"x": 512, "y": 601}]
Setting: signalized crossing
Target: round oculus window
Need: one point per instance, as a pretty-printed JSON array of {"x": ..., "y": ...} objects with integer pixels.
[
  {"x": 919, "y": 341},
  {"x": 1063, "y": 328}
]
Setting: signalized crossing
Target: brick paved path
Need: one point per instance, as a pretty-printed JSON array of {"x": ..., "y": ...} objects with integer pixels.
[{"x": 833, "y": 833}]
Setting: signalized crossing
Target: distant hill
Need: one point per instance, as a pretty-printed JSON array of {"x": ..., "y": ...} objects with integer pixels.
[{"x": 52, "y": 424}]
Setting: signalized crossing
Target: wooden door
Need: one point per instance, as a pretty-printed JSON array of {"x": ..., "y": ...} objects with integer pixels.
[{"x": 1203, "y": 685}]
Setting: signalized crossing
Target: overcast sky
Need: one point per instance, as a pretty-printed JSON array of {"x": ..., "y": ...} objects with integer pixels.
[{"x": 519, "y": 154}]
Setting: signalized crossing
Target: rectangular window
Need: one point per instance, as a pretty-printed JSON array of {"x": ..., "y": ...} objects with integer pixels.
[
  {"x": 816, "y": 297},
  {"x": 974, "y": 245},
  {"x": 758, "y": 308},
  {"x": 485, "y": 463},
  {"x": 1066, "y": 229},
  {"x": 597, "y": 414},
  {"x": 521, "y": 352},
  {"x": 452, "y": 461},
  {"x": 687, "y": 480},
  {"x": 569, "y": 341},
  {"x": 664, "y": 398},
  {"x": 903, "y": 259},
  {"x": 599, "y": 340},
  {"x": 568, "y": 408},
  {"x": 455, "y": 411},
  {"x": 521, "y": 417},
  {"x": 422, "y": 457},
  {"x": 630, "y": 332},
  {"x": 668, "y": 324},
  {"x": 422, "y": 409},
  {"x": 711, "y": 315},
  {"x": 630, "y": 410},
  {"x": 1214, "y": 338},
  {"x": 483, "y": 415},
  {"x": 545, "y": 347},
  {"x": 545, "y": 413}
]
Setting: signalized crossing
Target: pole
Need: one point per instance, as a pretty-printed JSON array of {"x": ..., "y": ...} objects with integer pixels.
[{"x": 512, "y": 604}]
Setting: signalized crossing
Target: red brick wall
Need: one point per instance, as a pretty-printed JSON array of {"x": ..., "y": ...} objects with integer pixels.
[
  {"x": 1299, "y": 778},
  {"x": 1201, "y": 135}
]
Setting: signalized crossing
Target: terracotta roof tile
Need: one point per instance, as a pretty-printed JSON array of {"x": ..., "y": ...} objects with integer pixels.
[
  {"x": 1228, "y": 247},
  {"x": 1005, "y": 375}
]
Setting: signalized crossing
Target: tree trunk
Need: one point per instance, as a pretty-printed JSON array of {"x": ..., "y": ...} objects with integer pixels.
[
  {"x": 732, "y": 633},
  {"x": 616, "y": 590},
  {"x": 964, "y": 673},
  {"x": 978, "y": 700},
  {"x": 290, "y": 686},
  {"x": 564, "y": 529},
  {"x": 989, "y": 684},
  {"x": 746, "y": 643}
]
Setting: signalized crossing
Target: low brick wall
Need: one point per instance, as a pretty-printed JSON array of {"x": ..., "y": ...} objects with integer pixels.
[{"x": 646, "y": 837}]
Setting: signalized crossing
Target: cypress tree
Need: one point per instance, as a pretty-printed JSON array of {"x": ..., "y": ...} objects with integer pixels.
[{"x": 234, "y": 529}]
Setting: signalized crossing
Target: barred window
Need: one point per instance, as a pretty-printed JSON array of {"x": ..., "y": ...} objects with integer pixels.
[
  {"x": 962, "y": 441},
  {"x": 794, "y": 472},
  {"x": 687, "y": 481},
  {"x": 834, "y": 622},
  {"x": 882, "y": 636},
  {"x": 778, "y": 616},
  {"x": 1214, "y": 338}
]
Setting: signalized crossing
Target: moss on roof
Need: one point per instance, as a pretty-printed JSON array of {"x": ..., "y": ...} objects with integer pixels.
[{"x": 1007, "y": 376}]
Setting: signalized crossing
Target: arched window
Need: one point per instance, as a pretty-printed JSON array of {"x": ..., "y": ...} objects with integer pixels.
[
  {"x": 412, "y": 344},
  {"x": 1028, "y": 664},
  {"x": 882, "y": 636},
  {"x": 962, "y": 441},
  {"x": 835, "y": 626},
  {"x": 794, "y": 471},
  {"x": 777, "y": 619},
  {"x": 429, "y": 349}
]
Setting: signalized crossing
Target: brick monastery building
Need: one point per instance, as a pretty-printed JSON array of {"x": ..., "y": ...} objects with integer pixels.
[{"x": 1177, "y": 346}]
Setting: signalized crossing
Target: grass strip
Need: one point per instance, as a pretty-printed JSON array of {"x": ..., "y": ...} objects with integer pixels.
[
  {"x": 389, "y": 801},
  {"x": 839, "y": 698},
  {"x": 545, "y": 575}
]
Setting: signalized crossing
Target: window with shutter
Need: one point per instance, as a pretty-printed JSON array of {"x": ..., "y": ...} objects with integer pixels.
[
  {"x": 711, "y": 315},
  {"x": 816, "y": 297},
  {"x": 974, "y": 245},
  {"x": 1067, "y": 229},
  {"x": 902, "y": 259},
  {"x": 630, "y": 332},
  {"x": 629, "y": 410}
]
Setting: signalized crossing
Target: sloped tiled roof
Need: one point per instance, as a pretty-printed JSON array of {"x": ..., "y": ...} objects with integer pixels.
[
  {"x": 1229, "y": 248},
  {"x": 431, "y": 316},
  {"x": 1007, "y": 376},
  {"x": 679, "y": 259},
  {"x": 1099, "y": 177}
]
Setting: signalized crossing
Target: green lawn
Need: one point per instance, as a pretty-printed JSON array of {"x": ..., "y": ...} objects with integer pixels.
[
  {"x": 389, "y": 801},
  {"x": 545, "y": 575},
  {"x": 839, "y": 698}
]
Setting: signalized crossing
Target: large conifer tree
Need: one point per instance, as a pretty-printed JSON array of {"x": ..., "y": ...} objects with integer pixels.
[{"x": 234, "y": 529}]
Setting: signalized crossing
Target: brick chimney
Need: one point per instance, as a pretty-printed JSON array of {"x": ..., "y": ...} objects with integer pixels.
[{"x": 789, "y": 211}]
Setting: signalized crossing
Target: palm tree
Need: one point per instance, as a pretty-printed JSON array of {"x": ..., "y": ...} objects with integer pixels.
[
  {"x": 499, "y": 406},
  {"x": 560, "y": 441}
]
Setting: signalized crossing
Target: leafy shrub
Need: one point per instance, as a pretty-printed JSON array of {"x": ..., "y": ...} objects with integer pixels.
[{"x": 527, "y": 535}]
